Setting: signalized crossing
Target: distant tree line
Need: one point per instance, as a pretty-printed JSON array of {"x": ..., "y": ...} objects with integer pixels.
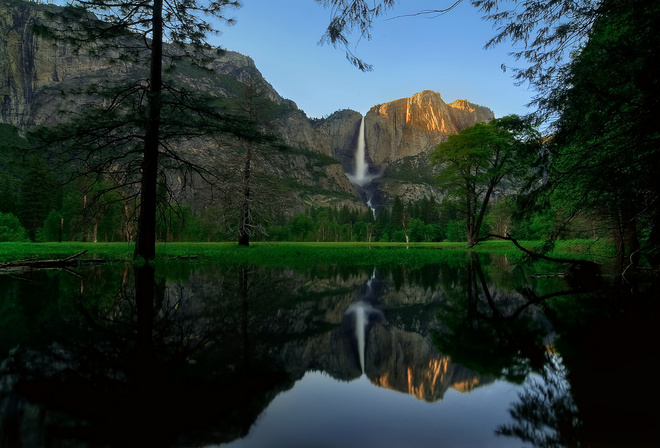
[
  {"x": 37, "y": 203},
  {"x": 423, "y": 220}
]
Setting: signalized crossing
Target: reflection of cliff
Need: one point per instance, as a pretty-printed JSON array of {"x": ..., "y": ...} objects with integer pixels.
[
  {"x": 141, "y": 367},
  {"x": 409, "y": 363},
  {"x": 391, "y": 347},
  {"x": 225, "y": 339}
]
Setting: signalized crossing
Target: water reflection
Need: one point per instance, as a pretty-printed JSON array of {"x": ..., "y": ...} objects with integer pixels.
[
  {"x": 144, "y": 367},
  {"x": 546, "y": 414},
  {"x": 492, "y": 329},
  {"x": 582, "y": 347},
  {"x": 185, "y": 355},
  {"x": 393, "y": 355}
]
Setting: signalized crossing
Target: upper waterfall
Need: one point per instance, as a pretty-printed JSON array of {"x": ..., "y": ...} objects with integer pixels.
[
  {"x": 361, "y": 166},
  {"x": 361, "y": 174}
]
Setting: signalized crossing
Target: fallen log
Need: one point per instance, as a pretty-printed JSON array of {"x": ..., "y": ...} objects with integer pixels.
[{"x": 37, "y": 263}]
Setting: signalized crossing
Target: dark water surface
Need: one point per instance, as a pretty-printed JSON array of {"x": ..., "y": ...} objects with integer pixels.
[{"x": 469, "y": 353}]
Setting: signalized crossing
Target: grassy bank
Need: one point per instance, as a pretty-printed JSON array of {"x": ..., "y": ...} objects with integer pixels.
[{"x": 292, "y": 254}]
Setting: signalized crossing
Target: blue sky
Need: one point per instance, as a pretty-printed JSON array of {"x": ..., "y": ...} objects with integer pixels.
[{"x": 409, "y": 54}]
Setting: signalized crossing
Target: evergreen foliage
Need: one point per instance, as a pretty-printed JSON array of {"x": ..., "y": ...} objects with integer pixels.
[
  {"x": 604, "y": 155},
  {"x": 11, "y": 228},
  {"x": 38, "y": 195},
  {"x": 130, "y": 136}
]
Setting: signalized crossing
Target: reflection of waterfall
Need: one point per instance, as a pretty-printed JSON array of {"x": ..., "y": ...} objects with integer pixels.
[{"x": 362, "y": 310}]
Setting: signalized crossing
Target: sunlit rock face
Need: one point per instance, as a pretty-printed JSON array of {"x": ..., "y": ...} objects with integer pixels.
[
  {"x": 411, "y": 126},
  {"x": 401, "y": 131}
]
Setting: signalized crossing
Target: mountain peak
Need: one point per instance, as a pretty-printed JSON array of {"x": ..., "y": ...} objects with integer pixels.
[{"x": 427, "y": 111}]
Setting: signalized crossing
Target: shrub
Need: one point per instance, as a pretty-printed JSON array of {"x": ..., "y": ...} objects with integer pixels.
[{"x": 11, "y": 228}]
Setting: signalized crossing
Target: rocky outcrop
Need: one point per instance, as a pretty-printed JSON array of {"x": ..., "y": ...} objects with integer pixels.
[
  {"x": 335, "y": 136},
  {"x": 412, "y": 126},
  {"x": 41, "y": 77},
  {"x": 29, "y": 64},
  {"x": 37, "y": 72}
]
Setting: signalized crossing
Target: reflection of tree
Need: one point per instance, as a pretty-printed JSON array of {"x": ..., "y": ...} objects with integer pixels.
[
  {"x": 605, "y": 339},
  {"x": 546, "y": 415},
  {"x": 488, "y": 330},
  {"x": 157, "y": 366}
]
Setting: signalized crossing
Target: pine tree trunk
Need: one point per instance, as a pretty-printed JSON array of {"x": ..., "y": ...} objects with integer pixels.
[{"x": 145, "y": 245}]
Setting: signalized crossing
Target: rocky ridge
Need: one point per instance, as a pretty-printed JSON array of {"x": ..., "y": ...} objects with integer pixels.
[
  {"x": 37, "y": 76},
  {"x": 411, "y": 126}
]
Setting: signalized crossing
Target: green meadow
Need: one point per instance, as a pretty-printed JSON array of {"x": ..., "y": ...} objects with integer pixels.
[{"x": 296, "y": 254}]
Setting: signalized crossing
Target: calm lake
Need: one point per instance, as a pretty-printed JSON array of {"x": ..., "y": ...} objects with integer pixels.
[{"x": 471, "y": 352}]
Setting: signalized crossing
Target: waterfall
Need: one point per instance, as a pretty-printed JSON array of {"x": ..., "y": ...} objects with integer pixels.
[
  {"x": 361, "y": 175},
  {"x": 361, "y": 166}
]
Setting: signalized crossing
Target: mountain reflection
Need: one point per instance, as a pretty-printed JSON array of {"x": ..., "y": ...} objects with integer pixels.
[
  {"x": 139, "y": 356},
  {"x": 183, "y": 355},
  {"x": 395, "y": 357}
]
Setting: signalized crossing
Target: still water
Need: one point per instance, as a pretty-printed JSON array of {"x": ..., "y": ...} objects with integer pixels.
[{"x": 472, "y": 352}]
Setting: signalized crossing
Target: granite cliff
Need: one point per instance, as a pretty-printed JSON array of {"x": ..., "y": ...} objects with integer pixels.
[
  {"x": 412, "y": 126},
  {"x": 36, "y": 72},
  {"x": 39, "y": 77},
  {"x": 401, "y": 134}
]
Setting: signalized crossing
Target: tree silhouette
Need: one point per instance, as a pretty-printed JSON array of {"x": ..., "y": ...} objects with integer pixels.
[{"x": 130, "y": 129}]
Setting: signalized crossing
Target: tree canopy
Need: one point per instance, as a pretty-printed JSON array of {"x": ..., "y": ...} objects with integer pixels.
[
  {"x": 483, "y": 161},
  {"x": 605, "y": 148}
]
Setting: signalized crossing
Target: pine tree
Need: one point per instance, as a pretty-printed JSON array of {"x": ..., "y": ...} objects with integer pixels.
[
  {"x": 130, "y": 131},
  {"x": 38, "y": 195}
]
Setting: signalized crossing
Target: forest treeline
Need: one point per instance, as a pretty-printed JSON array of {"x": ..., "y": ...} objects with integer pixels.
[{"x": 37, "y": 205}]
